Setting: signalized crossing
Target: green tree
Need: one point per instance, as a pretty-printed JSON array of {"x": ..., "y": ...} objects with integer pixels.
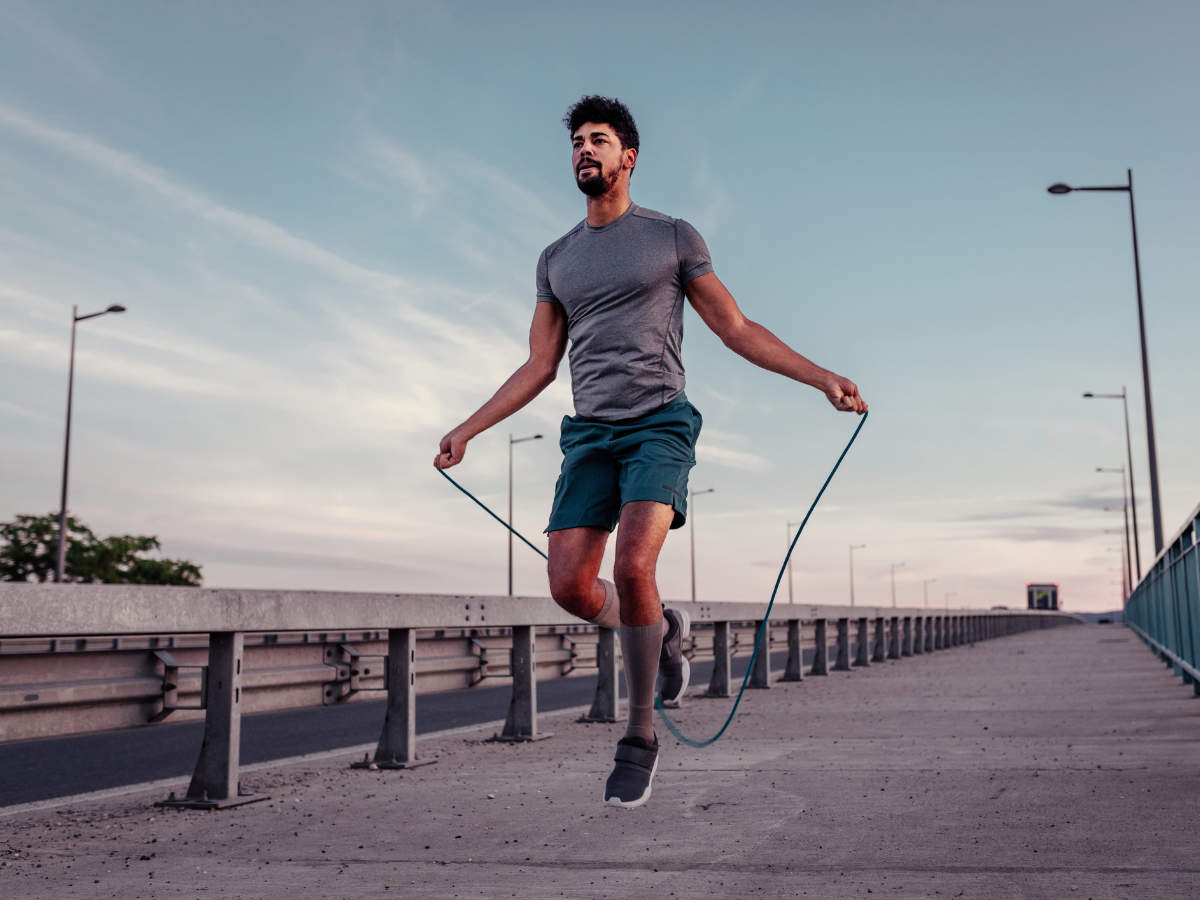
[{"x": 30, "y": 546}]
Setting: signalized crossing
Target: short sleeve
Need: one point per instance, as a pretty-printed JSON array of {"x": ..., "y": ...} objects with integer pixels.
[
  {"x": 691, "y": 251},
  {"x": 544, "y": 291}
]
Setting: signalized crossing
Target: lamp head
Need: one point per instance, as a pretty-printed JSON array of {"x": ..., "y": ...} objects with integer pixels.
[
  {"x": 116, "y": 307},
  {"x": 1059, "y": 188}
]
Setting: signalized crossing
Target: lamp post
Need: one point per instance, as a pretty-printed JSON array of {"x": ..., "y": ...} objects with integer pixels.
[
  {"x": 1124, "y": 570},
  {"x": 895, "y": 566},
  {"x": 512, "y": 440},
  {"x": 61, "y": 557},
  {"x": 1125, "y": 574},
  {"x": 1156, "y": 510},
  {"x": 1137, "y": 544},
  {"x": 853, "y": 547},
  {"x": 790, "y": 526},
  {"x": 692, "y": 534},
  {"x": 1124, "y": 509},
  {"x": 925, "y": 589}
]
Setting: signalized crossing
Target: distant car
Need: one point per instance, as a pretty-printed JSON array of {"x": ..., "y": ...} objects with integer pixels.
[{"x": 999, "y": 607}]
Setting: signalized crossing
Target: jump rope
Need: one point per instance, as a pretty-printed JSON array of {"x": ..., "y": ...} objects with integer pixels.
[{"x": 758, "y": 639}]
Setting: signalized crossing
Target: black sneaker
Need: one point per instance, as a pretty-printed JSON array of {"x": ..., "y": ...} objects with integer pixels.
[
  {"x": 673, "y": 667},
  {"x": 636, "y": 762}
]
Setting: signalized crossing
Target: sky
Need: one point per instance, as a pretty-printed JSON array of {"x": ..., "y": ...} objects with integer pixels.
[{"x": 324, "y": 219}]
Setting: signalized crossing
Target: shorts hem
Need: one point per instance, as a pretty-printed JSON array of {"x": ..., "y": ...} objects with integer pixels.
[
  {"x": 602, "y": 526},
  {"x": 670, "y": 500}
]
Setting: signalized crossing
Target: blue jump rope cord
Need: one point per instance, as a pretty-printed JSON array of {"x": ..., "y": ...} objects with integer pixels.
[{"x": 671, "y": 726}]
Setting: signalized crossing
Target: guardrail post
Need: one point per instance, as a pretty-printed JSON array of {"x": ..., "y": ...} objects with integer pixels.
[
  {"x": 842, "y": 662},
  {"x": 929, "y": 626},
  {"x": 918, "y": 646},
  {"x": 939, "y": 632},
  {"x": 521, "y": 724},
  {"x": 906, "y": 642},
  {"x": 397, "y": 748},
  {"x": 878, "y": 654},
  {"x": 761, "y": 676},
  {"x": 215, "y": 779},
  {"x": 820, "y": 664},
  {"x": 955, "y": 624},
  {"x": 719, "y": 684},
  {"x": 606, "y": 703},
  {"x": 862, "y": 649},
  {"x": 794, "y": 670},
  {"x": 894, "y": 639}
]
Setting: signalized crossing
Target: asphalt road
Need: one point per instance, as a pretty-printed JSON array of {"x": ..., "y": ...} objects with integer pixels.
[{"x": 63, "y": 766}]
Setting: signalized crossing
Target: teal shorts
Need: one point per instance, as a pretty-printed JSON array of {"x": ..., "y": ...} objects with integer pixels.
[{"x": 608, "y": 464}]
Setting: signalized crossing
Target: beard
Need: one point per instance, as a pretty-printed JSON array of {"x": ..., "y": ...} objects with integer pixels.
[{"x": 596, "y": 185}]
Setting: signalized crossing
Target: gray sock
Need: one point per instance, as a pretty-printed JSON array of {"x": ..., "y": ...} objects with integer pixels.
[
  {"x": 640, "y": 647},
  {"x": 610, "y": 613}
]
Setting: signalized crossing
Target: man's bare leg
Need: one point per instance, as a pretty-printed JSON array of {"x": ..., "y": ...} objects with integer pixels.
[
  {"x": 575, "y": 557},
  {"x": 640, "y": 536}
]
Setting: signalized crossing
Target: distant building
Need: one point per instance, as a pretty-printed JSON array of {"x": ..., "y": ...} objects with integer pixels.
[{"x": 1042, "y": 596}]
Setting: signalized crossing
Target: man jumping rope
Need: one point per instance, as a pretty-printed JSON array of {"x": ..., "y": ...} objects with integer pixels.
[{"x": 614, "y": 286}]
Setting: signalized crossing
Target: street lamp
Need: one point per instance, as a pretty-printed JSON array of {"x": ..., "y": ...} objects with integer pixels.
[
  {"x": 925, "y": 589},
  {"x": 1137, "y": 544},
  {"x": 1125, "y": 574},
  {"x": 790, "y": 526},
  {"x": 512, "y": 440},
  {"x": 692, "y": 534},
  {"x": 1124, "y": 570},
  {"x": 61, "y": 559},
  {"x": 853, "y": 547},
  {"x": 1124, "y": 509},
  {"x": 895, "y": 566},
  {"x": 1061, "y": 188}
]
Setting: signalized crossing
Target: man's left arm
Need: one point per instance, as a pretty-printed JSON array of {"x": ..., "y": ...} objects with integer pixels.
[{"x": 757, "y": 344}]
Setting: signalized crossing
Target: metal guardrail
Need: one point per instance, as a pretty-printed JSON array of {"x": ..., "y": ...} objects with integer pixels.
[
  {"x": 1164, "y": 608},
  {"x": 78, "y": 684},
  {"x": 32, "y": 611},
  {"x": 75, "y": 684}
]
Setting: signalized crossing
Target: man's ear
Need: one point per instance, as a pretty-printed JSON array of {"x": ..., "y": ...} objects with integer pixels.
[{"x": 631, "y": 157}]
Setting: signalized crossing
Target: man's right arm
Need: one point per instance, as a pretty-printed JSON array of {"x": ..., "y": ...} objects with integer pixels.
[{"x": 547, "y": 343}]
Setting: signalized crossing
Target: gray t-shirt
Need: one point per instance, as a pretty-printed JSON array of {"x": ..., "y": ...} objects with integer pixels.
[{"x": 621, "y": 286}]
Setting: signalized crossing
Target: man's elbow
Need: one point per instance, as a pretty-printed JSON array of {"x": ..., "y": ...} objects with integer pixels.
[
  {"x": 736, "y": 335},
  {"x": 545, "y": 370}
]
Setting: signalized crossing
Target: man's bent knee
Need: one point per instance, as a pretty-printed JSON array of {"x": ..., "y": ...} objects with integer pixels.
[
  {"x": 575, "y": 592},
  {"x": 633, "y": 574}
]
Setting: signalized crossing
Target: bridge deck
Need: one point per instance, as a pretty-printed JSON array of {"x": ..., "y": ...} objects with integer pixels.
[{"x": 1060, "y": 763}]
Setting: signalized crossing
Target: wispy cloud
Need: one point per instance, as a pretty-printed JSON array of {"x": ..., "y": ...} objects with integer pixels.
[
  {"x": 38, "y": 29},
  {"x": 419, "y": 181},
  {"x": 12, "y": 409},
  {"x": 252, "y": 229},
  {"x": 722, "y": 448}
]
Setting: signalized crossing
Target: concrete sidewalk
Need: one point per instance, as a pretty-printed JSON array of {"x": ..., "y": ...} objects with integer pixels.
[{"x": 1063, "y": 763}]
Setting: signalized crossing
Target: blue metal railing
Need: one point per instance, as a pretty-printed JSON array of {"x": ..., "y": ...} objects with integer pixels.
[{"x": 1164, "y": 609}]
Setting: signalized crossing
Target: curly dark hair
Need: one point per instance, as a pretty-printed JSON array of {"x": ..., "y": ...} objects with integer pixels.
[{"x": 606, "y": 111}]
